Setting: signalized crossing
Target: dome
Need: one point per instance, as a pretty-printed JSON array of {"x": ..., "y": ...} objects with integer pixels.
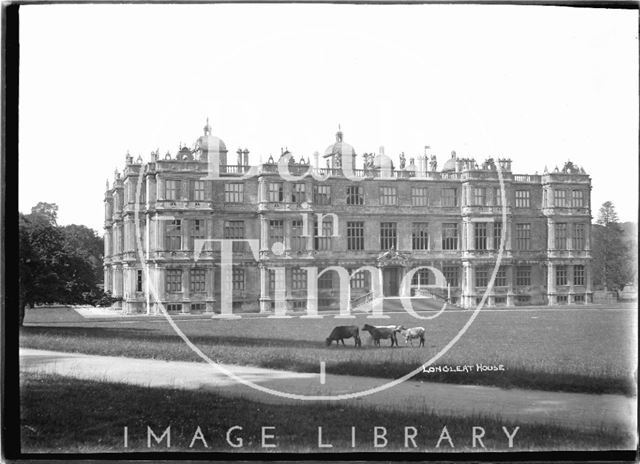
[
  {"x": 211, "y": 143},
  {"x": 450, "y": 164},
  {"x": 339, "y": 148},
  {"x": 208, "y": 142}
]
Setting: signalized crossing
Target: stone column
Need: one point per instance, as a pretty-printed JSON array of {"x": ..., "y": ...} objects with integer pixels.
[
  {"x": 107, "y": 243},
  {"x": 467, "y": 284},
  {"x": 209, "y": 288},
  {"x": 186, "y": 295},
  {"x": 265, "y": 301},
  {"x": 287, "y": 230},
  {"x": 308, "y": 187},
  {"x": 551, "y": 283},
  {"x": 159, "y": 276},
  {"x": 264, "y": 233},
  {"x": 470, "y": 242},
  {"x": 510, "y": 295},
  {"x": 551, "y": 234},
  {"x": 151, "y": 190},
  {"x": 160, "y": 234},
  {"x": 129, "y": 234},
  {"x": 587, "y": 282},
  {"x": 262, "y": 187},
  {"x": 310, "y": 232},
  {"x": 570, "y": 270},
  {"x": 160, "y": 188}
]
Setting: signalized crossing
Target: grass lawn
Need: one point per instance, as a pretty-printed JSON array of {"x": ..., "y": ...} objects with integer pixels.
[
  {"x": 565, "y": 350},
  {"x": 95, "y": 414}
]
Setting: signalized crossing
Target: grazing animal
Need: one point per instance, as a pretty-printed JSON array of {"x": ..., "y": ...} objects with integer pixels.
[
  {"x": 412, "y": 333},
  {"x": 378, "y": 333},
  {"x": 344, "y": 331}
]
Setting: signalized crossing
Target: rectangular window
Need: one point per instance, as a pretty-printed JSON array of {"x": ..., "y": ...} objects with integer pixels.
[
  {"x": 578, "y": 237},
  {"x": 298, "y": 242},
  {"x": 578, "y": 274},
  {"x": 578, "y": 299},
  {"x": 139, "y": 280},
  {"x": 233, "y": 193},
  {"x": 482, "y": 277},
  {"x": 174, "y": 307},
  {"x": 577, "y": 200},
  {"x": 420, "y": 236},
  {"x": 276, "y": 232},
  {"x": 497, "y": 197},
  {"x": 419, "y": 196},
  {"x": 388, "y": 235},
  {"x": 523, "y": 276},
  {"x": 322, "y": 194},
  {"x": 479, "y": 196},
  {"x": 237, "y": 278},
  {"x": 561, "y": 275},
  {"x": 559, "y": 198},
  {"x": 449, "y": 236},
  {"x": 388, "y": 196},
  {"x": 173, "y": 280},
  {"x": 197, "y": 278},
  {"x": 198, "y": 307},
  {"x": 299, "y": 193},
  {"x": 523, "y": 199},
  {"x": 480, "y": 235},
  {"x": 562, "y": 299},
  {"x": 325, "y": 281},
  {"x": 323, "y": 243},
  {"x": 272, "y": 279},
  {"x": 172, "y": 189},
  {"x": 174, "y": 235},
  {"x": 197, "y": 232},
  {"x": 561, "y": 236},
  {"x": 355, "y": 195},
  {"x": 449, "y": 197},
  {"x": 197, "y": 190},
  {"x": 235, "y": 230},
  {"x": 497, "y": 235},
  {"x": 451, "y": 273},
  {"x": 422, "y": 277},
  {"x": 359, "y": 280},
  {"x": 523, "y": 236},
  {"x": 298, "y": 279},
  {"x": 355, "y": 235},
  {"x": 276, "y": 192},
  {"x": 501, "y": 278}
]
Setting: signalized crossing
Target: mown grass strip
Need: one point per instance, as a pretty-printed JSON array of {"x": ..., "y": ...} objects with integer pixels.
[{"x": 70, "y": 415}]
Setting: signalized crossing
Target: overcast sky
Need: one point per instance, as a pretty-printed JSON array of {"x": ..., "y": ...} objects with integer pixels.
[{"x": 537, "y": 84}]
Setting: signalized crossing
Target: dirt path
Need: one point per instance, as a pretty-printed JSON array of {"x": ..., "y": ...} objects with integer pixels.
[{"x": 576, "y": 410}]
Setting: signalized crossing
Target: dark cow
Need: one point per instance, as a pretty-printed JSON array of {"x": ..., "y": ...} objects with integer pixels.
[
  {"x": 344, "y": 331},
  {"x": 378, "y": 333}
]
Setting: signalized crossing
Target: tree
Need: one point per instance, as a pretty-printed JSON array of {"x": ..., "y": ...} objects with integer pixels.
[
  {"x": 46, "y": 210},
  {"x": 611, "y": 255},
  {"x": 40, "y": 262},
  {"x": 88, "y": 244},
  {"x": 57, "y": 264}
]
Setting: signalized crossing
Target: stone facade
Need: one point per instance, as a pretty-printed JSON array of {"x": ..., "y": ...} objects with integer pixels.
[{"x": 160, "y": 217}]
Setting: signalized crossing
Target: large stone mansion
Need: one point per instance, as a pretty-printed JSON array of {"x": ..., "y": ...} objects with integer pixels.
[{"x": 392, "y": 217}]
